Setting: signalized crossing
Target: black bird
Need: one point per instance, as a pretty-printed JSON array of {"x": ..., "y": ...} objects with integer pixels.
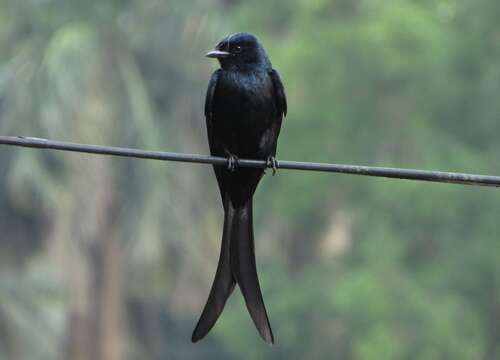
[{"x": 244, "y": 106}]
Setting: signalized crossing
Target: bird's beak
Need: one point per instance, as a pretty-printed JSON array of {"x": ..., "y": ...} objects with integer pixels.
[{"x": 218, "y": 54}]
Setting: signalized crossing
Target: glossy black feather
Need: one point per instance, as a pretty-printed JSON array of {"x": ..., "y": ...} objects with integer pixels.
[
  {"x": 223, "y": 284},
  {"x": 279, "y": 92},
  {"x": 245, "y": 270}
]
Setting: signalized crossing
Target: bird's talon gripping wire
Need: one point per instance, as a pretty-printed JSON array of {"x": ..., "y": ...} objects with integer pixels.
[
  {"x": 272, "y": 163},
  {"x": 232, "y": 162}
]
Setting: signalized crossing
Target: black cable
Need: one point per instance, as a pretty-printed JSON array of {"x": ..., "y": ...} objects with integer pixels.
[{"x": 411, "y": 174}]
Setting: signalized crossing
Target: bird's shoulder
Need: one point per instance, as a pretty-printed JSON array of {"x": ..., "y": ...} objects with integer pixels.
[{"x": 260, "y": 85}]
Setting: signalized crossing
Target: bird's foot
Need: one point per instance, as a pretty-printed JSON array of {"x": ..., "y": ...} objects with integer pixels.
[
  {"x": 272, "y": 163},
  {"x": 232, "y": 161}
]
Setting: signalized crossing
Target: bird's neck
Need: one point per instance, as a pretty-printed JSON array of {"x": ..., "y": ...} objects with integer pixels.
[{"x": 246, "y": 68}]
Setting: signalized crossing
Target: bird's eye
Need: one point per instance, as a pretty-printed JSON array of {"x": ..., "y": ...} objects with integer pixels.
[{"x": 238, "y": 49}]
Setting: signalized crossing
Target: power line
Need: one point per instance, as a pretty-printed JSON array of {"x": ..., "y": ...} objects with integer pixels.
[{"x": 410, "y": 174}]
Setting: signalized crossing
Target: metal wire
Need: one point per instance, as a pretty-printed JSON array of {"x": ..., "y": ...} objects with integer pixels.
[{"x": 410, "y": 174}]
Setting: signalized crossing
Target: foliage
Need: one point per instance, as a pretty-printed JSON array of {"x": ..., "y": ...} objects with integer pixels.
[{"x": 351, "y": 268}]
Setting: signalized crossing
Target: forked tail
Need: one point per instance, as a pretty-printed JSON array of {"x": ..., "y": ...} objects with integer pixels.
[{"x": 236, "y": 265}]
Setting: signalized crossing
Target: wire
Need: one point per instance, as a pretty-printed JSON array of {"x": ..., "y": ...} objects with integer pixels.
[{"x": 410, "y": 174}]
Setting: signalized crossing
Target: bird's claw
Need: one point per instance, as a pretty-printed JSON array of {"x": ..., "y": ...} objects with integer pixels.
[
  {"x": 232, "y": 162},
  {"x": 272, "y": 163}
]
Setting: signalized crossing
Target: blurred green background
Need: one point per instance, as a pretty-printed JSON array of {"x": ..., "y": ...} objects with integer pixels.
[{"x": 108, "y": 258}]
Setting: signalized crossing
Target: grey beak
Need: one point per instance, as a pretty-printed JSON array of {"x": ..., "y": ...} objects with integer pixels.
[{"x": 218, "y": 54}]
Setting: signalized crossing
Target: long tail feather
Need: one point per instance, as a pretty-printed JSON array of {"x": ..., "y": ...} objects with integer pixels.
[
  {"x": 223, "y": 284},
  {"x": 245, "y": 270}
]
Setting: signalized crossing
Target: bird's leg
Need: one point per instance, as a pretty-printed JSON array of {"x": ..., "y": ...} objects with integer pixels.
[
  {"x": 232, "y": 161},
  {"x": 272, "y": 163}
]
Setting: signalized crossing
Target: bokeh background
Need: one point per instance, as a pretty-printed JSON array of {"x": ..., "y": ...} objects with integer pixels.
[{"x": 108, "y": 258}]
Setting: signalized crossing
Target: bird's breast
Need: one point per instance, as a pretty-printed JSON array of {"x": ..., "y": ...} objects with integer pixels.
[
  {"x": 245, "y": 99},
  {"x": 244, "y": 111}
]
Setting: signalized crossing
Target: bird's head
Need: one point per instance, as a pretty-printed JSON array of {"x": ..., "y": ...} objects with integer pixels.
[{"x": 239, "y": 52}]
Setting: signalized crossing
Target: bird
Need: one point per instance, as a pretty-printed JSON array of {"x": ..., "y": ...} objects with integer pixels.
[{"x": 244, "y": 107}]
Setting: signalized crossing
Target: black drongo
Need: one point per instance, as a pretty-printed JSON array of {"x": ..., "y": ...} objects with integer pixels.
[{"x": 244, "y": 106}]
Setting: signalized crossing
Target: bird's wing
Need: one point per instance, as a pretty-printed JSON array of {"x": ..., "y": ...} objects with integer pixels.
[
  {"x": 209, "y": 117},
  {"x": 209, "y": 107},
  {"x": 279, "y": 93}
]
